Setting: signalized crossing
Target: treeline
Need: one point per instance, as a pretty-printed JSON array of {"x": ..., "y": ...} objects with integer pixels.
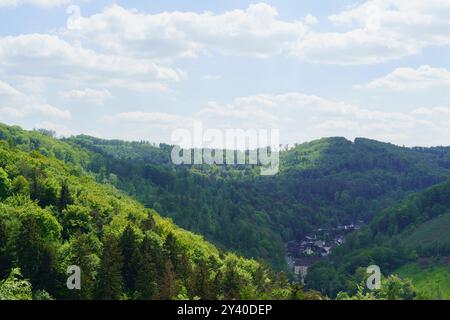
[
  {"x": 398, "y": 235},
  {"x": 321, "y": 184},
  {"x": 53, "y": 216}
]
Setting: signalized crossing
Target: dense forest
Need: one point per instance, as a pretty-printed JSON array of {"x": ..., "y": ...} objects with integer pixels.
[
  {"x": 415, "y": 229},
  {"x": 97, "y": 203},
  {"x": 53, "y": 214},
  {"x": 321, "y": 184}
]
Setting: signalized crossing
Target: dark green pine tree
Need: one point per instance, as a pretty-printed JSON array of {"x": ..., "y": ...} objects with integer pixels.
[
  {"x": 147, "y": 275},
  {"x": 201, "y": 282},
  {"x": 65, "y": 198},
  {"x": 232, "y": 283},
  {"x": 83, "y": 255},
  {"x": 173, "y": 252},
  {"x": 128, "y": 245},
  {"x": 5, "y": 254},
  {"x": 34, "y": 256},
  {"x": 260, "y": 279},
  {"x": 110, "y": 282},
  {"x": 217, "y": 287}
]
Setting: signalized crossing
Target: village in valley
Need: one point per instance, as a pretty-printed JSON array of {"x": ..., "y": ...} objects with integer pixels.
[{"x": 314, "y": 247}]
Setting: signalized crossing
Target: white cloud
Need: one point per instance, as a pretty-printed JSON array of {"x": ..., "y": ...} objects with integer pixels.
[
  {"x": 354, "y": 47},
  {"x": 147, "y": 118},
  {"x": 97, "y": 97},
  {"x": 410, "y": 79},
  {"x": 379, "y": 31},
  {"x": 15, "y": 105},
  {"x": 7, "y": 90},
  {"x": 39, "y": 3},
  {"x": 48, "y": 56},
  {"x": 256, "y": 31},
  {"x": 40, "y": 52},
  {"x": 310, "y": 20},
  {"x": 299, "y": 117}
]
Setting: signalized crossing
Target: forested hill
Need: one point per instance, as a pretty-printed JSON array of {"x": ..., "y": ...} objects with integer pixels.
[
  {"x": 321, "y": 183},
  {"x": 53, "y": 215},
  {"x": 414, "y": 229}
]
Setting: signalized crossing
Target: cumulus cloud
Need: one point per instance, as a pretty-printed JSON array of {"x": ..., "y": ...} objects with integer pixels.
[
  {"x": 97, "y": 97},
  {"x": 39, "y": 3},
  {"x": 40, "y": 52},
  {"x": 410, "y": 79},
  {"x": 256, "y": 31},
  {"x": 299, "y": 117},
  {"x": 158, "y": 119},
  {"x": 16, "y": 105},
  {"x": 49, "y": 56},
  {"x": 379, "y": 31}
]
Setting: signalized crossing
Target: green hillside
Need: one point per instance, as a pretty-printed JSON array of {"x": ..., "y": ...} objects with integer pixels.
[
  {"x": 431, "y": 236},
  {"x": 411, "y": 230},
  {"x": 431, "y": 282},
  {"x": 323, "y": 183},
  {"x": 53, "y": 215}
]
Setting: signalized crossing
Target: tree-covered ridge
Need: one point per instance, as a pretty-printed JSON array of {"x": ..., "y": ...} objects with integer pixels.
[
  {"x": 413, "y": 229},
  {"x": 322, "y": 183},
  {"x": 52, "y": 216}
]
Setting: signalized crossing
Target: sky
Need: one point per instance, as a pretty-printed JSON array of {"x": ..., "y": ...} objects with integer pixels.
[{"x": 139, "y": 70}]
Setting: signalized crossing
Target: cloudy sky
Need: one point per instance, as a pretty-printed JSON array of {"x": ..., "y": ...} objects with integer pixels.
[{"x": 140, "y": 69}]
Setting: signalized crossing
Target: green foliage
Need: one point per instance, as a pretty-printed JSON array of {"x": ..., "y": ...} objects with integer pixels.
[
  {"x": 110, "y": 281},
  {"x": 392, "y": 288},
  {"x": 431, "y": 238},
  {"x": 322, "y": 183},
  {"x": 14, "y": 288},
  {"x": 5, "y": 184},
  {"x": 55, "y": 214},
  {"x": 431, "y": 280}
]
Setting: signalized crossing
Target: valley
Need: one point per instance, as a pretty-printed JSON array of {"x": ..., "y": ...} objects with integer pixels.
[{"x": 335, "y": 207}]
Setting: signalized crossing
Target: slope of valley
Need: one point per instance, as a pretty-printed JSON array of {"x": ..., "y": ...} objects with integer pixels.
[
  {"x": 321, "y": 184},
  {"x": 410, "y": 238},
  {"x": 54, "y": 215}
]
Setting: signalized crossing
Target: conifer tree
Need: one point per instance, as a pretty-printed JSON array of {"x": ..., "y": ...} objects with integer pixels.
[
  {"x": 33, "y": 254},
  {"x": 147, "y": 277},
  {"x": 65, "y": 198},
  {"x": 128, "y": 245},
  {"x": 232, "y": 283},
  {"x": 172, "y": 251},
  {"x": 83, "y": 255},
  {"x": 201, "y": 283},
  {"x": 110, "y": 282},
  {"x": 5, "y": 257}
]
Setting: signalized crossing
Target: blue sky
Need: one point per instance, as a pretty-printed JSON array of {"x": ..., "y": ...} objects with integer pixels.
[{"x": 141, "y": 69}]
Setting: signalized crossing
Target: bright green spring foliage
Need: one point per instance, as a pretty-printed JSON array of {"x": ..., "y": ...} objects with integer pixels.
[
  {"x": 14, "y": 288},
  {"x": 54, "y": 215}
]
